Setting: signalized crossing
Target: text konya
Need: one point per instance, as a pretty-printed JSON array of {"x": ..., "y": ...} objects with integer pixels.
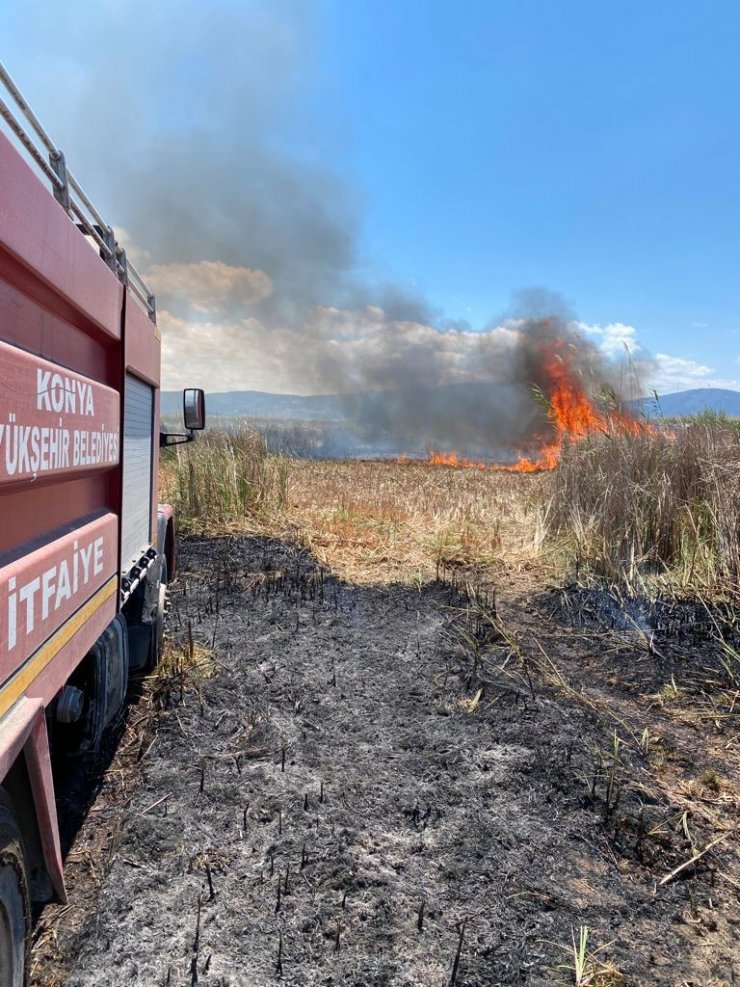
[{"x": 28, "y": 449}]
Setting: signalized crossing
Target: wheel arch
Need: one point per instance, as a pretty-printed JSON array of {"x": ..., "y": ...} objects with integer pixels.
[
  {"x": 25, "y": 774},
  {"x": 166, "y": 545}
]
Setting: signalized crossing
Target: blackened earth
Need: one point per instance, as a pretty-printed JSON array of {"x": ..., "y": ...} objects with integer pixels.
[{"x": 370, "y": 786}]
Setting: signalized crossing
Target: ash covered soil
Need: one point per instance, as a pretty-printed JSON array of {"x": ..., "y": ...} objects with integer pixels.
[{"x": 382, "y": 786}]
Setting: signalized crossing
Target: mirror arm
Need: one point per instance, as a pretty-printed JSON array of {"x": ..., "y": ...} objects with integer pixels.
[{"x": 175, "y": 438}]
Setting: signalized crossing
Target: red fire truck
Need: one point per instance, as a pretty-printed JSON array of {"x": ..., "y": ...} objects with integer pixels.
[{"x": 85, "y": 550}]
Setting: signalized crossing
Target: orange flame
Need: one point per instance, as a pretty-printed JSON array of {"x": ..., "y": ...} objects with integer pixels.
[
  {"x": 452, "y": 459},
  {"x": 571, "y": 412}
]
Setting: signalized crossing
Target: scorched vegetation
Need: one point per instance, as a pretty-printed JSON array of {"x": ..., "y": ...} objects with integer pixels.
[{"x": 431, "y": 726}]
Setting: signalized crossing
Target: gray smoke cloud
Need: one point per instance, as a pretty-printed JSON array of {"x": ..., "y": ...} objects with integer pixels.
[{"x": 186, "y": 113}]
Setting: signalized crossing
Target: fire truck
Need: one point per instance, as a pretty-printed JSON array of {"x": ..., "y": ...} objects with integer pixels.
[{"x": 86, "y": 551}]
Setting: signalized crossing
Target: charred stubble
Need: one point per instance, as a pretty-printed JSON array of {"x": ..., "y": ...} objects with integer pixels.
[{"x": 460, "y": 843}]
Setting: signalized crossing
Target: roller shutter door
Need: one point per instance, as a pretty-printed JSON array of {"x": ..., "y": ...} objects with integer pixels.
[{"x": 138, "y": 423}]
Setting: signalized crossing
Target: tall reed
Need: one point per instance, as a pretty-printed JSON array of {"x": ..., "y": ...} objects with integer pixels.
[
  {"x": 222, "y": 479},
  {"x": 663, "y": 501}
]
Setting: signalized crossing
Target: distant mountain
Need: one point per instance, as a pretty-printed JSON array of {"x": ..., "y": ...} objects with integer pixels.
[
  {"x": 260, "y": 404},
  {"x": 682, "y": 403},
  {"x": 379, "y": 404}
]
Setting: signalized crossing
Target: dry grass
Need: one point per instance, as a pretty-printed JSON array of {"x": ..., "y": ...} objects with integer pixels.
[
  {"x": 367, "y": 521},
  {"x": 381, "y": 522},
  {"x": 663, "y": 504},
  {"x": 221, "y": 480}
]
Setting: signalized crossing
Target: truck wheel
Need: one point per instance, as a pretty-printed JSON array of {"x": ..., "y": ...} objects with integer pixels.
[{"x": 15, "y": 906}]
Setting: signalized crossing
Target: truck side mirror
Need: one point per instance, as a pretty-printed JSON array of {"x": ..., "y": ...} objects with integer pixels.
[{"x": 194, "y": 408}]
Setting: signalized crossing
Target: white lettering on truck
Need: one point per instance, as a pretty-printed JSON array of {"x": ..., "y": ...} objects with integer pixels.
[
  {"x": 36, "y": 600},
  {"x": 54, "y": 420},
  {"x": 30, "y": 449},
  {"x": 64, "y": 395}
]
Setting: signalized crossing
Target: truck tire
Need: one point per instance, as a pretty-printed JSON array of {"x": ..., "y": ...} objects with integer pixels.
[{"x": 15, "y": 904}]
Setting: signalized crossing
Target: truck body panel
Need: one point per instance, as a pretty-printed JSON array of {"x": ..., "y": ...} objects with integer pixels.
[
  {"x": 45, "y": 588},
  {"x": 83, "y": 542},
  {"x": 53, "y": 420},
  {"x": 37, "y": 231}
]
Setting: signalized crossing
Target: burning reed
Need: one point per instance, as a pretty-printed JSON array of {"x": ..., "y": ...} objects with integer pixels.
[{"x": 630, "y": 501}]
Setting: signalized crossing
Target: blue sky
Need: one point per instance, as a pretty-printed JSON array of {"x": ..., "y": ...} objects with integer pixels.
[
  {"x": 477, "y": 148},
  {"x": 589, "y": 147}
]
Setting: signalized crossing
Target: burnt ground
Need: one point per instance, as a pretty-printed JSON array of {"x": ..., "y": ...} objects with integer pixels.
[{"x": 352, "y": 785}]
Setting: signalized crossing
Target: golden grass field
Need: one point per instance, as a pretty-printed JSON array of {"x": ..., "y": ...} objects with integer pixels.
[
  {"x": 367, "y": 521},
  {"x": 661, "y": 508},
  {"x": 386, "y": 522}
]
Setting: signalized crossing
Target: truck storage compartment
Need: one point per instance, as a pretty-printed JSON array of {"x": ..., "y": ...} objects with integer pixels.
[{"x": 138, "y": 441}]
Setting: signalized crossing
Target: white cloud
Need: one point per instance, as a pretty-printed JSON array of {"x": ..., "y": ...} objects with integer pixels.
[
  {"x": 208, "y": 342},
  {"x": 221, "y": 356},
  {"x": 664, "y": 372},
  {"x": 673, "y": 373},
  {"x": 326, "y": 353},
  {"x": 615, "y": 339}
]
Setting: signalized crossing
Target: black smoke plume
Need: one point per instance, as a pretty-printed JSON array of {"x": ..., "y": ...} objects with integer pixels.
[{"x": 184, "y": 116}]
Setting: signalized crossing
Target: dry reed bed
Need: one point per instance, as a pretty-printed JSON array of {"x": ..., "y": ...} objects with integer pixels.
[
  {"x": 381, "y": 522},
  {"x": 374, "y": 521},
  {"x": 661, "y": 504},
  {"x": 664, "y": 504}
]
